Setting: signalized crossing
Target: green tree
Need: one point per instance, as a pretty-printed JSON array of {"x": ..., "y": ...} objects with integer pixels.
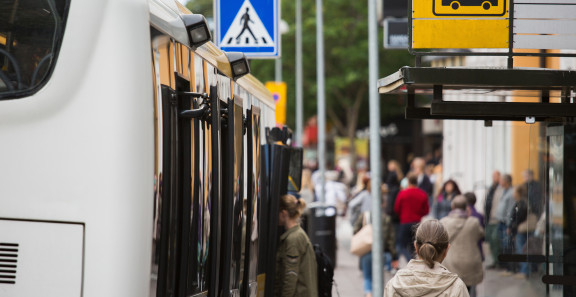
[
  {"x": 346, "y": 60},
  {"x": 203, "y": 7}
]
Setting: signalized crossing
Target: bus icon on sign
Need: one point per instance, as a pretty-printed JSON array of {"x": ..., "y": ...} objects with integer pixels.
[
  {"x": 469, "y": 7},
  {"x": 455, "y": 4}
]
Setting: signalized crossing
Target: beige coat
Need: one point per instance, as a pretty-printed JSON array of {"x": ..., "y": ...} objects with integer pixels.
[
  {"x": 464, "y": 256},
  {"x": 417, "y": 279}
]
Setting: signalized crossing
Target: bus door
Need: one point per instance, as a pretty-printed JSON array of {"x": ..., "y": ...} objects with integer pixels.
[
  {"x": 167, "y": 168},
  {"x": 197, "y": 183},
  {"x": 186, "y": 198},
  {"x": 233, "y": 197},
  {"x": 253, "y": 203},
  {"x": 275, "y": 161}
]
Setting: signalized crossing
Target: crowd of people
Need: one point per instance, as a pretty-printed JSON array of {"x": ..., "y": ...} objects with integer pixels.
[{"x": 433, "y": 226}]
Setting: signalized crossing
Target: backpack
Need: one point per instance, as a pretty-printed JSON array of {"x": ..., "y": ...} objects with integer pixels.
[{"x": 325, "y": 270}]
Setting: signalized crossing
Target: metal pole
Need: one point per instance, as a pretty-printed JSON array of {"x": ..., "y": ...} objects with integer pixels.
[
  {"x": 321, "y": 100},
  {"x": 299, "y": 107},
  {"x": 278, "y": 70},
  {"x": 377, "y": 251}
]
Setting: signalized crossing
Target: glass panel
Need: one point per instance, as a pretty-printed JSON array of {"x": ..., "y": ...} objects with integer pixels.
[
  {"x": 238, "y": 221},
  {"x": 30, "y": 36},
  {"x": 159, "y": 139},
  {"x": 513, "y": 206},
  {"x": 561, "y": 245},
  {"x": 505, "y": 166},
  {"x": 556, "y": 205},
  {"x": 569, "y": 197},
  {"x": 206, "y": 194},
  {"x": 256, "y": 196},
  {"x": 183, "y": 61},
  {"x": 197, "y": 270}
]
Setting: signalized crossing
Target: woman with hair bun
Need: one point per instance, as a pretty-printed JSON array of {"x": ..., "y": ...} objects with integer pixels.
[
  {"x": 425, "y": 276},
  {"x": 295, "y": 258}
]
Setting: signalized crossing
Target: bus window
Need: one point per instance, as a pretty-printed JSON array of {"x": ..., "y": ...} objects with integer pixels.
[{"x": 30, "y": 36}]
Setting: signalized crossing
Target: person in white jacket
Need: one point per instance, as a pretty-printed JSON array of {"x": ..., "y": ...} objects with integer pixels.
[{"x": 425, "y": 276}]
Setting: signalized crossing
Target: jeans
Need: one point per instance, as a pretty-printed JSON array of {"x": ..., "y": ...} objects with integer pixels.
[
  {"x": 505, "y": 244},
  {"x": 388, "y": 261},
  {"x": 405, "y": 240},
  {"x": 520, "y": 242},
  {"x": 494, "y": 241},
  {"x": 366, "y": 264}
]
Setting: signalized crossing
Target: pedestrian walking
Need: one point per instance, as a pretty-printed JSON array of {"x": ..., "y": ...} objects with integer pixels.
[
  {"x": 425, "y": 276},
  {"x": 361, "y": 202},
  {"x": 424, "y": 183},
  {"x": 522, "y": 225},
  {"x": 388, "y": 244},
  {"x": 442, "y": 204},
  {"x": 464, "y": 231},
  {"x": 296, "y": 273},
  {"x": 533, "y": 192},
  {"x": 503, "y": 209},
  {"x": 393, "y": 179},
  {"x": 411, "y": 205},
  {"x": 494, "y": 194},
  {"x": 471, "y": 200}
]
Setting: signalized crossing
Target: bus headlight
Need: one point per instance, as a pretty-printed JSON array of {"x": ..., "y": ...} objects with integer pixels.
[
  {"x": 197, "y": 27},
  {"x": 238, "y": 63}
]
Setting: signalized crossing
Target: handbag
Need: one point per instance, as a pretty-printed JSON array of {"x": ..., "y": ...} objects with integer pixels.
[
  {"x": 533, "y": 246},
  {"x": 361, "y": 242},
  {"x": 529, "y": 225}
]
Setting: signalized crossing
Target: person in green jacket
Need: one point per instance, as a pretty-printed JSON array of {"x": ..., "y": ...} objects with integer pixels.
[{"x": 295, "y": 259}]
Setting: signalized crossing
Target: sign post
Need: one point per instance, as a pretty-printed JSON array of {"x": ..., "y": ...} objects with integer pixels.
[{"x": 249, "y": 26}]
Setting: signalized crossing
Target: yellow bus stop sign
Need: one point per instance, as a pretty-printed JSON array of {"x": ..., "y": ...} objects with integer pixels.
[
  {"x": 278, "y": 90},
  {"x": 459, "y": 24}
]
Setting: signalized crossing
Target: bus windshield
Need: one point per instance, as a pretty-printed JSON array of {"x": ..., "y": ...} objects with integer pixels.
[{"x": 30, "y": 35}]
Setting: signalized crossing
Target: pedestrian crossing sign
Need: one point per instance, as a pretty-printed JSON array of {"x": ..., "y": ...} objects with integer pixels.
[{"x": 249, "y": 26}]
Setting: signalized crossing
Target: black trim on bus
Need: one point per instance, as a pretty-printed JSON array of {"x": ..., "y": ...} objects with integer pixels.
[
  {"x": 237, "y": 219},
  {"x": 252, "y": 124},
  {"x": 277, "y": 159},
  {"x": 233, "y": 191},
  {"x": 196, "y": 222},
  {"x": 185, "y": 175},
  {"x": 227, "y": 157},
  {"x": 216, "y": 194},
  {"x": 166, "y": 283}
]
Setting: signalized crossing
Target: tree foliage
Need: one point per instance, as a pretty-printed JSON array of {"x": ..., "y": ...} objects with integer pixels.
[{"x": 346, "y": 61}]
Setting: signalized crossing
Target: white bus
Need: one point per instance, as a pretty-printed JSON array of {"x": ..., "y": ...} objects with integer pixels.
[{"x": 130, "y": 159}]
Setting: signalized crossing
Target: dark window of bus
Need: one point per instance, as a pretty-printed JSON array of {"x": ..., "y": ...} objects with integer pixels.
[{"x": 30, "y": 36}]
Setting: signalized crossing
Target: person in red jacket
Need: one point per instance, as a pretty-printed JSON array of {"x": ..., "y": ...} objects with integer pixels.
[{"x": 411, "y": 205}]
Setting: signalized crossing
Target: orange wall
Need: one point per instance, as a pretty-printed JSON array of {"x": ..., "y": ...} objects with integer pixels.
[{"x": 525, "y": 137}]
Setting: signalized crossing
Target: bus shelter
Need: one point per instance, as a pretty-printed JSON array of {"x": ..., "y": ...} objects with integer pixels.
[{"x": 508, "y": 106}]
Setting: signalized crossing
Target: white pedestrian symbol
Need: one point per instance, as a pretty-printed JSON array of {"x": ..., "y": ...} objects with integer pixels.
[{"x": 247, "y": 30}]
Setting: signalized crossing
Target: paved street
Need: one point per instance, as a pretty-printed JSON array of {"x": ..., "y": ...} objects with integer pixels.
[{"x": 348, "y": 276}]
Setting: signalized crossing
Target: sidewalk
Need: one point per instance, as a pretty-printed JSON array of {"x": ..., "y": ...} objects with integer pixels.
[
  {"x": 349, "y": 282},
  {"x": 347, "y": 275}
]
